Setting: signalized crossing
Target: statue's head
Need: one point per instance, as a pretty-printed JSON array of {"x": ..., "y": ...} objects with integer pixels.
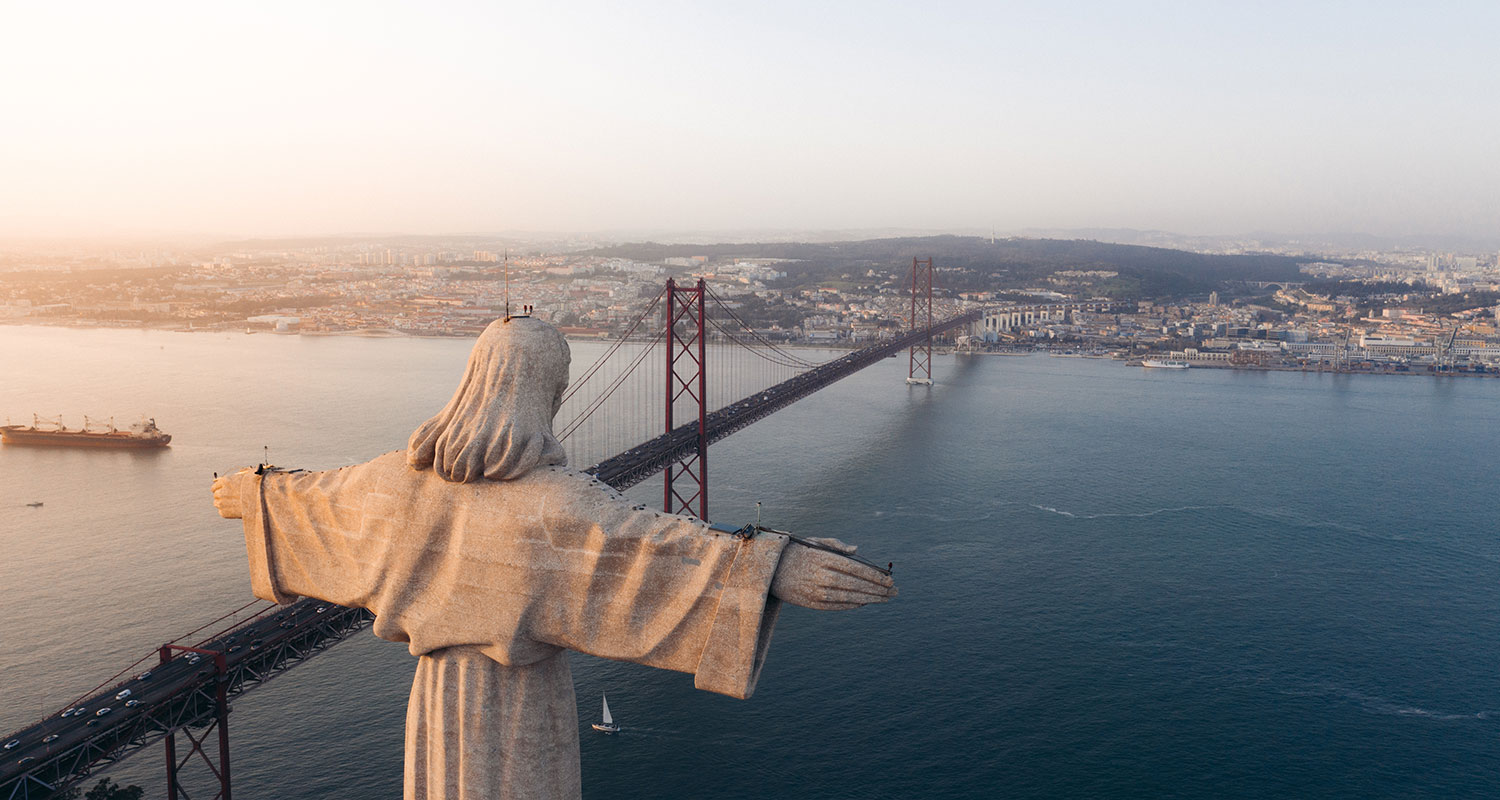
[{"x": 498, "y": 426}]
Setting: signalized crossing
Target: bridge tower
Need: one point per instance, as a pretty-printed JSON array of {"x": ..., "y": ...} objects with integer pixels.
[
  {"x": 685, "y": 480},
  {"x": 220, "y": 724},
  {"x": 919, "y": 369}
]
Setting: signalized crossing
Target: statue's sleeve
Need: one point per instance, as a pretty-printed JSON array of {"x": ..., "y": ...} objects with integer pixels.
[
  {"x": 662, "y": 590},
  {"x": 302, "y": 535}
]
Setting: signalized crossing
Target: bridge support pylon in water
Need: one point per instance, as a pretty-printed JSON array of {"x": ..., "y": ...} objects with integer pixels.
[
  {"x": 919, "y": 369},
  {"x": 685, "y": 481},
  {"x": 220, "y": 724}
]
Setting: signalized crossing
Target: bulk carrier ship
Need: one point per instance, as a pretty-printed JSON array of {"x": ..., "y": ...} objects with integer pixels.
[{"x": 52, "y": 433}]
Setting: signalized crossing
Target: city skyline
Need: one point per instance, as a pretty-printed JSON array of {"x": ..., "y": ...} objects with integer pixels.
[{"x": 292, "y": 120}]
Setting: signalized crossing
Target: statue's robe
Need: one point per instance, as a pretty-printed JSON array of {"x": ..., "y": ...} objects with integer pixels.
[{"x": 490, "y": 582}]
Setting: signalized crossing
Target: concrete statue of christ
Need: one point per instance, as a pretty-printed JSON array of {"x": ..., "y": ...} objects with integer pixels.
[{"x": 478, "y": 548}]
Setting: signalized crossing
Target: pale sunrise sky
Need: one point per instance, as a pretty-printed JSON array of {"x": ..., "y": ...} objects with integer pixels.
[{"x": 308, "y": 117}]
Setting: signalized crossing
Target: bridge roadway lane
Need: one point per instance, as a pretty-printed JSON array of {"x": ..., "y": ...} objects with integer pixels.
[
  {"x": 650, "y": 457},
  {"x": 170, "y": 696}
]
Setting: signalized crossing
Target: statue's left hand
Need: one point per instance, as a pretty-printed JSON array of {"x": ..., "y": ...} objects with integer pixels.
[
  {"x": 828, "y": 581},
  {"x": 227, "y": 495}
]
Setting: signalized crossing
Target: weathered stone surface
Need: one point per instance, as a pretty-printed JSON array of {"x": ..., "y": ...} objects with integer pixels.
[
  {"x": 478, "y": 729},
  {"x": 479, "y": 549}
]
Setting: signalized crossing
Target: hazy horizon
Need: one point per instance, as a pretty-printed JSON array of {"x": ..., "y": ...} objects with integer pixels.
[{"x": 285, "y": 120}]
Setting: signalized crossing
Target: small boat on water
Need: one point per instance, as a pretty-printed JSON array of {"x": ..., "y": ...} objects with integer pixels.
[
  {"x": 608, "y": 725},
  {"x": 1164, "y": 363}
]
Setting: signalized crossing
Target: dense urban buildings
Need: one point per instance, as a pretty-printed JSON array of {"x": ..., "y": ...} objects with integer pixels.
[{"x": 1373, "y": 311}]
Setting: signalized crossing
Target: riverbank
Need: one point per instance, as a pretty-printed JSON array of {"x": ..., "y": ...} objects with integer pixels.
[
  {"x": 1420, "y": 371},
  {"x": 1316, "y": 368},
  {"x": 393, "y": 333}
]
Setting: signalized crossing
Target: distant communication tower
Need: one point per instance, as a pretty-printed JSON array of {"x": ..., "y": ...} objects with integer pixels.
[{"x": 920, "y": 369}]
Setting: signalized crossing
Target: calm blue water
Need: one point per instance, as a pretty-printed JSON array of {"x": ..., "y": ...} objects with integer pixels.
[{"x": 1115, "y": 582}]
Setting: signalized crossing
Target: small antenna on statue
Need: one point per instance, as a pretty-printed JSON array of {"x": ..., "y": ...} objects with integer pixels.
[{"x": 507, "y": 284}]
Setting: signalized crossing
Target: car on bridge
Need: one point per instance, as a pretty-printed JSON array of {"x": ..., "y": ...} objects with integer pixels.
[{"x": 124, "y": 693}]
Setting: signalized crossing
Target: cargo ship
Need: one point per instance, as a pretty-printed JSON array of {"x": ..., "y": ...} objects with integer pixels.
[{"x": 52, "y": 433}]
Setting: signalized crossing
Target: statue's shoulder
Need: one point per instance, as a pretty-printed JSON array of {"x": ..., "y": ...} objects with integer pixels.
[
  {"x": 563, "y": 477},
  {"x": 394, "y": 458},
  {"x": 391, "y": 466}
]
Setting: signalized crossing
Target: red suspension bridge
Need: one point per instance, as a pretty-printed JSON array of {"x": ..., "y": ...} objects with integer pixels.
[{"x": 665, "y": 361}]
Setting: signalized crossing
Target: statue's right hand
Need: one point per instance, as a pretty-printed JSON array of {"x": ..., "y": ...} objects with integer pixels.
[
  {"x": 827, "y": 581},
  {"x": 227, "y": 494}
]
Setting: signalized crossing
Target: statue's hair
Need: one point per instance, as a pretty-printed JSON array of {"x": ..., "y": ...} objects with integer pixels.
[{"x": 498, "y": 426}]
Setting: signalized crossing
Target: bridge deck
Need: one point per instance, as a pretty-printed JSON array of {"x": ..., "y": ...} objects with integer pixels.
[
  {"x": 650, "y": 457},
  {"x": 181, "y": 693}
]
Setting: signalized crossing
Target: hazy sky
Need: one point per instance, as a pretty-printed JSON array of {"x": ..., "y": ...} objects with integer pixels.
[{"x": 320, "y": 117}]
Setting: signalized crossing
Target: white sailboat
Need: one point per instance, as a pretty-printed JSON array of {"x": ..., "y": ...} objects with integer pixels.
[{"x": 608, "y": 725}]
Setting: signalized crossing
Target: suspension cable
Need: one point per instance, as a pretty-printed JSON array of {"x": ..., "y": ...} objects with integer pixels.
[
  {"x": 111, "y": 679},
  {"x": 616, "y": 346},
  {"x": 799, "y": 361},
  {"x": 610, "y": 389},
  {"x": 760, "y": 352}
]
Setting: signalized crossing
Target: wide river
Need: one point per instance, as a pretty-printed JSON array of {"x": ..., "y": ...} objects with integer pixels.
[{"x": 1115, "y": 582}]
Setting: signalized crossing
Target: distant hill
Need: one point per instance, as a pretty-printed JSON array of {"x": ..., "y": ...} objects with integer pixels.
[
  {"x": 974, "y": 263},
  {"x": 1329, "y": 242}
]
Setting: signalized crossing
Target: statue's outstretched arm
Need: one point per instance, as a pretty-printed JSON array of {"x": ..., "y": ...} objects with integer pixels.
[{"x": 301, "y": 532}]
